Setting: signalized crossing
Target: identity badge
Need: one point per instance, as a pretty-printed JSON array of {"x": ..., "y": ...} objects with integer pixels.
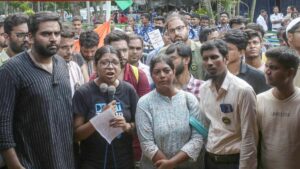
[{"x": 226, "y": 108}]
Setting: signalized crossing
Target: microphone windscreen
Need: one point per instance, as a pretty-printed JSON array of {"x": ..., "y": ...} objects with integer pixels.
[
  {"x": 111, "y": 90},
  {"x": 103, "y": 87}
]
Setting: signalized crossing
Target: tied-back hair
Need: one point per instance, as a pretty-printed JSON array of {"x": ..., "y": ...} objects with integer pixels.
[{"x": 106, "y": 49}]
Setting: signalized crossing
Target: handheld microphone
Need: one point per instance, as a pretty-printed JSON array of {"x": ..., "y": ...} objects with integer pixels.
[
  {"x": 103, "y": 87},
  {"x": 111, "y": 90}
]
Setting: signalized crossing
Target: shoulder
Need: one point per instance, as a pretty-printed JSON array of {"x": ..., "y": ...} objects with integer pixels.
[
  {"x": 239, "y": 84},
  {"x": 127, "y": 86},
  {"x": 255, "y": 73},
  {"x": 264, "y": 96},
  {"x": 148, "y": 98},
  {"x": 87, "y": 87}
]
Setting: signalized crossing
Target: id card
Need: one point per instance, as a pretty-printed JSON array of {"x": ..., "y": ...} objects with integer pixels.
[{"x": 226, "y": 108}]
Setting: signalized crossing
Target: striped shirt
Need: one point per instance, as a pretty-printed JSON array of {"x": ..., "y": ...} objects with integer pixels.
[{"x": 35, "y": 113}]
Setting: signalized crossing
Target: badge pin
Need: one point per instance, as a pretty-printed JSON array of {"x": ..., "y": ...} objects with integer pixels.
[
  {"x": 194, "y": 67},
  {"x": 226, "y": 120}
]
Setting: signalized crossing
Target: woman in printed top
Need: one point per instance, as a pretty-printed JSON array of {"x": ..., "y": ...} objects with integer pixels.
[
  {"x": 90, "y": 100},
  {"x": 162, "y": 119}
]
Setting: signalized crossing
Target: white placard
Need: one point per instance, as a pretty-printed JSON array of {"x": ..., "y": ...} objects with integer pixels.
[
  {"x": 101, "y": 123},
  {"x": 156, "y": 39}
]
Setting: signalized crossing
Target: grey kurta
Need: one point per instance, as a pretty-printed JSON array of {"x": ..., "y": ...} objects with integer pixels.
[
  {"x": 35, "y": 113},
  {"x": 163, "y": 124}
]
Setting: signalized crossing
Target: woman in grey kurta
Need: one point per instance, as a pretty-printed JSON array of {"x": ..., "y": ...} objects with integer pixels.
[{"x": 162, "y": 119}]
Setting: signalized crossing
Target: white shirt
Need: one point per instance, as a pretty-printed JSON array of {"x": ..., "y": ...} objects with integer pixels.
[
  {"x": 76, "y": 77},
  {"x": 276, "y": 17},
  {"x": 261, "y": 21},
  {"x": 235, "y": 131},
  {"x": 279, "y": 124},
  {"x": 146, "y": 70}
]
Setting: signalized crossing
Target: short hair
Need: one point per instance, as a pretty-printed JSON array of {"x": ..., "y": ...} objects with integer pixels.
[
  {"x": 256, "y": 27},
  {"x": 226, "y": 13},
  {"x": 182, "y": 49},
  {"x": 185, "y": 13},
  {"x": 40, "y": 17},
  {"x": 160, "y": 18},
  {"x": 146, "y": 15},
  {"x": 237, "y": 20},
  {"x": 116, "y": 35},
  {"x": 215, "y": 44},
  {"x": 195, "y": 15},
  {"x": 252, "y": 34},
  {"x": 237, "y": 38},
  {"x": 159, "y": 59},
  {"x": 67, "y": 31},
  {"x": 14, "y": 20},
  {"x": 88, "y": 39},
  {"x": 77, "y": 18},
  {"x": 275, "y": 7},
  {"x": 134, "y": 36},
  {"x": 205, "y": 32},
  {"x": 204, "y": 17},
  {"x": 262, "y": 11},
  {"x": 284, "y": 55},
  {"x": 106, "y": 49},
  {"x": 175, "y": 16}
]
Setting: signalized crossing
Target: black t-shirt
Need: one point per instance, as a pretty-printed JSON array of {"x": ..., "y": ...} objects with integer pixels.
[{"x": 88, "y": 101}]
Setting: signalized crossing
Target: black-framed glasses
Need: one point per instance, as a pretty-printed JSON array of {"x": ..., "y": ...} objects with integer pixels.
[{"x": 106, "y": 63}]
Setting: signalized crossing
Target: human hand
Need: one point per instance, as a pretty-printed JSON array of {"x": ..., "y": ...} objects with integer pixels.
[
  {"x": 111, "y": 105},
  {"x": 119, "y": 121},
  {"x": 164, "y": 164}
]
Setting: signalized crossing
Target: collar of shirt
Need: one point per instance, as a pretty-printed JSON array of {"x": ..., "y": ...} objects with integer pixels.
[
  {"x": 3, "y": 57},
  {"x": 224, "y": 87},
  {"x": 243, "y": 68}
]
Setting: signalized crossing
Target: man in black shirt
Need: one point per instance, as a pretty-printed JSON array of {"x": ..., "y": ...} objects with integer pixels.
[
  {"x": 35, "y": 103},
  {"x": 237, "y": 43}
]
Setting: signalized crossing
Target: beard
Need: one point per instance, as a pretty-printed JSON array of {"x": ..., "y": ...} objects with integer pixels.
[
  {"x": 18, "y": 48},
  {"x": 46, "y": 51}
]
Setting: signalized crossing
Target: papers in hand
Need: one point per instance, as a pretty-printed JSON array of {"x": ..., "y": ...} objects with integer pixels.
[{"x": 101, "y": 124}]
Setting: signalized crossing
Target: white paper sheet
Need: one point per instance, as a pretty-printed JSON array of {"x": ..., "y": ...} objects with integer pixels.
[
  {"x": 101, "y": 124},
  {"x": 156, "y": 39}
]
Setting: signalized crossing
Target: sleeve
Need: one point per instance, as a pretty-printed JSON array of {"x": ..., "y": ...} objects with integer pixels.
[
  {"x": 9, "y": 88},
  {"x": 78, "y": 104},
  {"x": 193, "y": 147},
  {"x": 143, "y": 84},
  {"x": 145, "y": 131},
  {"x": 133, "y": 103},
  {"x": 249, "y": 132},
  {"x": 272, "y": 18}
]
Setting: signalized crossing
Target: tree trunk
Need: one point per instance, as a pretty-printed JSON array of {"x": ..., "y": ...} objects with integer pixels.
[
  {"x": 252, "y": 10},
  {"x": 208, "y": 7},
  {"x": 238, "y": 3}
]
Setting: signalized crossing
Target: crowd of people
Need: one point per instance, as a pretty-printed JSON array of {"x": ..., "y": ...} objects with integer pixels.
[{"x": 245, "y": 94}]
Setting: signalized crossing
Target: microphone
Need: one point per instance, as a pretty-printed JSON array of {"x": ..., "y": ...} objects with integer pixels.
[
  {"x": 111, "y": 90},
  {"x": 103, "y": 87}
]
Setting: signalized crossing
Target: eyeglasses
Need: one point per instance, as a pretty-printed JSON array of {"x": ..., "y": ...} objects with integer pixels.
[
  {"x": 177, "y": 29},
  {"x": 105, "y": 63},
  {"x": 22, "y": 35}
]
